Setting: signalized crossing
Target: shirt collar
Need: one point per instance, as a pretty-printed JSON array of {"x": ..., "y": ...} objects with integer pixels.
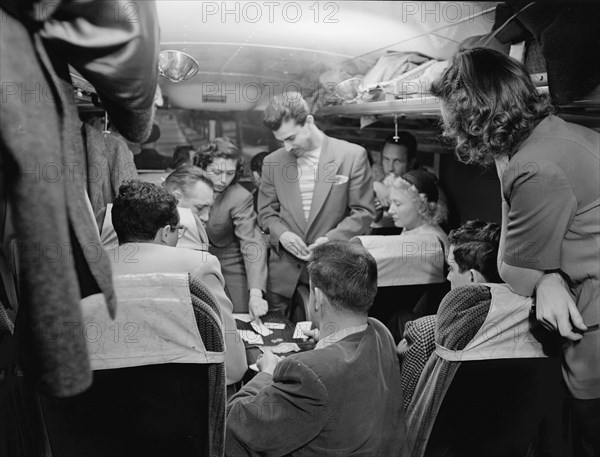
[
  {"x": 340, "y": 335},
  {"x": 310, "y": 156}
]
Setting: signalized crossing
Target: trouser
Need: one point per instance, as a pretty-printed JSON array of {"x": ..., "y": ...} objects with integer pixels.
[
  {"x": 585, "y": 427},
  {"x": 284, "y": 304}
]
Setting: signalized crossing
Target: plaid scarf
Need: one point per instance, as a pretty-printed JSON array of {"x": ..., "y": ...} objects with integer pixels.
[{"x": 461, "y": 314}]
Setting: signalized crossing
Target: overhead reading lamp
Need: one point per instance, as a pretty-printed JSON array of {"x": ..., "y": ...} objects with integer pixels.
[{"x": 177, "y": 66}]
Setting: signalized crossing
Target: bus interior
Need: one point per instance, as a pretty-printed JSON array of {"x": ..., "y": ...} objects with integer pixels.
[{"x": 364, "y": 67}]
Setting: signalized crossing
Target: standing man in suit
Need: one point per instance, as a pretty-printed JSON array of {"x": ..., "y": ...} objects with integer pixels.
[
  {"x": 342, "y": 398},
  {"x": 314, "y": 189}
]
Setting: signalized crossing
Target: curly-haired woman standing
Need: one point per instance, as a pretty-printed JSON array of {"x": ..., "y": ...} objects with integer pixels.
[{"x": 549, "y": 171}]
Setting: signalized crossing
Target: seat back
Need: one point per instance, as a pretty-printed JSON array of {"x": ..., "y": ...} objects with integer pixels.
[
  {"x": 503, "y": 407},
  {"x": 144, "y": 410},
  {"x": 148, "y": 408}
]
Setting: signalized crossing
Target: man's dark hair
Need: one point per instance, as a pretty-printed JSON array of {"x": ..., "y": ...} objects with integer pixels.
[
  {"x": 407, "y": 140},
  {"x": 285, "y": 108},
  {"x": 256, "y": 163},
  {"x": 184, "y": 178},
  {"x": 141, "y": 209},
  {"x": 476, "y": 246},
  {"x": 224, "y": 148},
  {"x": 181, "y": 156},
  {"x": 347, "y": 275}
]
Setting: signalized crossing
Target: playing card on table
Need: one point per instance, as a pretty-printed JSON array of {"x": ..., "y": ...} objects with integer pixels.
[
  {"x": 283, "y": 348},
  {"x": 260, "y": 328},
  {"x": 251, "y": 337},
  {"x": 274, "y": 325},
  {"x": 300, "y": 328}
]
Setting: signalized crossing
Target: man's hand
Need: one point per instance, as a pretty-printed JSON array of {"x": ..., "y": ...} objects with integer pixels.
[
  {"x": 257, "y": 306},
  {"x": 320, "y": 240},
  {"x": 293, "y": 244},
  {"x": 313, "y": 335},
  {"x": 555, "y": 309},
  {"x": 267, "y": 362}
]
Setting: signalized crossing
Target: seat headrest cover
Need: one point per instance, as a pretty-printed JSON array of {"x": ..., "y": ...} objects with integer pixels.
[
  {"x": 154, "y": 324},
  {"x": 505, "y": 333}
]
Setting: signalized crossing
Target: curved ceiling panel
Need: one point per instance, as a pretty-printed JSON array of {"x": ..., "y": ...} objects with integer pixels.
[{"x": 240, "y": 45}]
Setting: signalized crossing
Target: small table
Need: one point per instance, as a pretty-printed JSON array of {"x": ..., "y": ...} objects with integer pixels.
[{"x": 278, "y": 336}]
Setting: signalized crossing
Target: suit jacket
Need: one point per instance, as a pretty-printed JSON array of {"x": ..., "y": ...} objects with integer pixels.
[
  {"x": 232, "y": 225},
  {"x": 135, "y": 258},
  {"x": 344, "y": 399},
  {"x": 108, "y": 163},
  {"x": 343, "y": 204}
]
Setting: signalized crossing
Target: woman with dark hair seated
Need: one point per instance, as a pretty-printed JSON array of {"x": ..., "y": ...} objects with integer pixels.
[{"x": 235, "y": 238}]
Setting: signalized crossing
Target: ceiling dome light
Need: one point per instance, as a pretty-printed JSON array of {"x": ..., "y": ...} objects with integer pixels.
[{"x": 177, "y": 66}]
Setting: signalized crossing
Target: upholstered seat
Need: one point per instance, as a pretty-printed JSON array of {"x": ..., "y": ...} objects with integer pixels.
[{"x": 138, "y": 405}]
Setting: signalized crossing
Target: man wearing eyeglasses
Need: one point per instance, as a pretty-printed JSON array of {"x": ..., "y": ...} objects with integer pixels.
[
  {"x": 195, "y": 196},
  {"x": 147, "y": 223}
]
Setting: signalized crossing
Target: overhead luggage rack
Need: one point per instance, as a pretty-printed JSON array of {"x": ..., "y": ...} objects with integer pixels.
[
  {"x": 425, "y": 105},
  {"x": 428, "y": 106}
]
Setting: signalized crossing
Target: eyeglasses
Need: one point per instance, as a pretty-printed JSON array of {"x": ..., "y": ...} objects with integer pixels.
[{"x": 181, "y": 229}]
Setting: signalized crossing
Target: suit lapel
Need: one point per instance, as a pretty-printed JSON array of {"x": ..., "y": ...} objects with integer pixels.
[
  {"x": 290, "y": 187},
  {"x": 328, "y": 168}
]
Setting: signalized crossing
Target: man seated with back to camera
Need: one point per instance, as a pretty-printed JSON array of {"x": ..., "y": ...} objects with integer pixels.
[
  {"x": 149, "y": 158},
  {"x": 146, "y": 220},
  {"x": 480, "y": 319},
  {"x": 343, "y": 397},
  {"x": 471, "y": 260},
  {"x": 183, "y": 156}
]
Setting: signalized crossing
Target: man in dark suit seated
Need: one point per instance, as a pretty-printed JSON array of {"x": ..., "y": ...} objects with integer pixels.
[{"x": 342, "y": 398}]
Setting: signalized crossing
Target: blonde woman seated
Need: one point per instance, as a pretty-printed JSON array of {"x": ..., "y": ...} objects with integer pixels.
[
  {"x": 415, "y": 206},
  {"x": 416, "y": 256}
]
